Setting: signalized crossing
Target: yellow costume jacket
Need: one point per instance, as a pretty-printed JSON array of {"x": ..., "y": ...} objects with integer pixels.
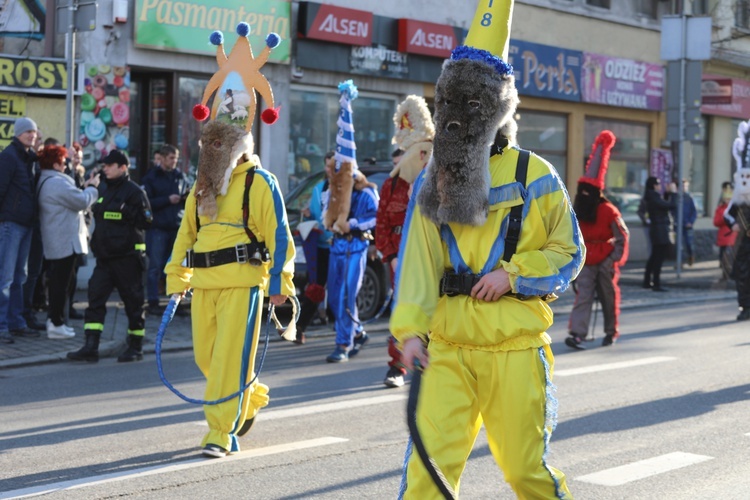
[
  {"x": 267, "y": 220},
  {"x": 549, "y": 255}
]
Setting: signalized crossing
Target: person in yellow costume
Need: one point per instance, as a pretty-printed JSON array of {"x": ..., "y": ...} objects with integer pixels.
[
  {"x": 471, "y": 309},
  {"x": 233, "y": 247}
]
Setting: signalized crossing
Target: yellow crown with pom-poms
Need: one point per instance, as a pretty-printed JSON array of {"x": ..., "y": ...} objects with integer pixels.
[
  {"x": 489, "y": 36},
  {"x": 241, "y": 61}
]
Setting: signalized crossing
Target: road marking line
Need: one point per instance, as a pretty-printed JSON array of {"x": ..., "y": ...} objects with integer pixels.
[
  {"x": 101, "y": 420},
  {"x": 617, "y": 476},
  {"x": 265, "y": 415},
  {"x": 612, "y": 366},
  {"x": 163, "y": 469}
]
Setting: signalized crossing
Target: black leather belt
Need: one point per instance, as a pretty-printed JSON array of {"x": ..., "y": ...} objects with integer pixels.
[
  {"x": 452, "y": 284},
  {"x": 254, "y": 254}
]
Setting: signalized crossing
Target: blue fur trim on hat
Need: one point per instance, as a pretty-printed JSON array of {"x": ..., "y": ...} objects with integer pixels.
[
  {"x": 243, "y": 29},
  {"x": 349, "y": 89},
  {"x": 273, "y": 40},
  {"x": 216, "y": 38},
  {"x": 466, "y": 52}
]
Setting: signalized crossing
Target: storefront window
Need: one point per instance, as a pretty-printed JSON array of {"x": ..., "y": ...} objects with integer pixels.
[
  {"x": 313, "y": 130},
  {"x": 545, "y": 134},
  {"x": 189, "y": 92},
  {"x": 696, "y": 171},
  {"x": 628, "y": 162},
  {"x": 158, "y": 112}
]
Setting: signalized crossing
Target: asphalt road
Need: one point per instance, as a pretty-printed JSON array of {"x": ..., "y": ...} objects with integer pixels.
[{"x": 662, "y": 415}]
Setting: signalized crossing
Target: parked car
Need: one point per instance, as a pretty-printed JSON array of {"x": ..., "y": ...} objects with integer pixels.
[{"x": 376, "y": 282}]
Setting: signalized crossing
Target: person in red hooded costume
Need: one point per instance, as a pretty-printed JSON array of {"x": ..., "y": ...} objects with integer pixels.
[{"x": 606, "y": 238}]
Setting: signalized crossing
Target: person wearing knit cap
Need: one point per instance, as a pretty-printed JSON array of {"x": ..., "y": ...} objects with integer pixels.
[
  {"x": 17, "y": 217},
  {"x": 606, "y": 238},
  {"x": 489, "y": 237}
]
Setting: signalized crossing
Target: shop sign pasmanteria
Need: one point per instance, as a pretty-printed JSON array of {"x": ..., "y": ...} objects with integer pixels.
[{"x": 185, "y": 25}]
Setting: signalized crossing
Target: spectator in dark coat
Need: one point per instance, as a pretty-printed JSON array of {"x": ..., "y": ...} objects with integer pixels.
[
  {"x": 689, "y": 216},
  {"x": 166, "y": 189},
  {"x": 658, "y": 209},
  {"x": 17, "y": 216}
]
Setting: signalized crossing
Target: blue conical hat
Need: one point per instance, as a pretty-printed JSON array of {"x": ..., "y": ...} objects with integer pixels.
[{"x": 346, "y": 148}]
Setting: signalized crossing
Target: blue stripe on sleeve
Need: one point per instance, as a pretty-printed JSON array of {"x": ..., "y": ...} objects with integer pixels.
[{"x": 282, "y": 240}]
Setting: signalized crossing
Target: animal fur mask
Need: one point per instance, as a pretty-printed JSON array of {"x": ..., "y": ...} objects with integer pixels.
[
  {"x": 472, "y": 102},
  {"x": 222, "y": 145}
]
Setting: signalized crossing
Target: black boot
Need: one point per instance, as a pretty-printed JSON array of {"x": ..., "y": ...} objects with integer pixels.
[
  {"x": 32, "y": 322},
  {"x": 134, "y": 351},
  {"x": 90, "y": 351}
]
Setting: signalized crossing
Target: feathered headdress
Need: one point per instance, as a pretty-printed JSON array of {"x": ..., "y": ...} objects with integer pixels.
[
  {"x": 414, "y": 134},
  {"x": 596, "y": 167},
  {"x": 235, "y": 83}
]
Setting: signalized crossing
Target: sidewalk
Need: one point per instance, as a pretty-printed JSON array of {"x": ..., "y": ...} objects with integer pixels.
[{"x": 699, "y": 283}]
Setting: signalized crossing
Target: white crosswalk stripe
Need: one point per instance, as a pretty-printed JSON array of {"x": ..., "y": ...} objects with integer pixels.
[
  {"x": 624, "y": 474},
  {"x": 163, "y": 469},
  {"x": 612, "y": 366}
]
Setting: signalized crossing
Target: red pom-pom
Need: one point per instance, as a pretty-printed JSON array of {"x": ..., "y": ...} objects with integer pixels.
[
  {"x": 201, "y": 112},
  {"x": 316, "y": 293},
  {"x": 270, "y": 116}
]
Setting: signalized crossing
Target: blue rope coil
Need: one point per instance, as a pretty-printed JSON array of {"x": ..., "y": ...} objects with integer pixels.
[{"x": 166, "y": 319}]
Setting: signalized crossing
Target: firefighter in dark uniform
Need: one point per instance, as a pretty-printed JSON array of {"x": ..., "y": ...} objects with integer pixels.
[{"x": 121, "y": 214}]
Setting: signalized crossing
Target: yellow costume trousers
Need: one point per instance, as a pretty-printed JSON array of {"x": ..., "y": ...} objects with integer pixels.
[
  {"x": 226, "y": 326},
  {"x": 510, "y": 391}
]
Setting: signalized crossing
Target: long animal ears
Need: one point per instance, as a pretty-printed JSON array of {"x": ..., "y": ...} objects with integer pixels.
[
  {"x": 598, "y": 163},
  {"x": 741, "y": 145},
  {"x": 238, "y": 78}
]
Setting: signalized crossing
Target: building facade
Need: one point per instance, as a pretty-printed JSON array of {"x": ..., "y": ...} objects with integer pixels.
[{"x": 581, "y": 66}]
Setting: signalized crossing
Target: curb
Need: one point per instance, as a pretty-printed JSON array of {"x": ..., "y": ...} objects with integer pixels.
[{"x": 109, "y": 348}]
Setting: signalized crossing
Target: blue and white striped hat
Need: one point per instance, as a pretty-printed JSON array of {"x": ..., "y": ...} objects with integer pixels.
[{"x": 346, "y": 149}]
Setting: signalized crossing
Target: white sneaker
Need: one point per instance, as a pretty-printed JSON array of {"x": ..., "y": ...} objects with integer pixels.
[
  {"x": 58, "y": 332},
  {"x": 70, "y": 329}
]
